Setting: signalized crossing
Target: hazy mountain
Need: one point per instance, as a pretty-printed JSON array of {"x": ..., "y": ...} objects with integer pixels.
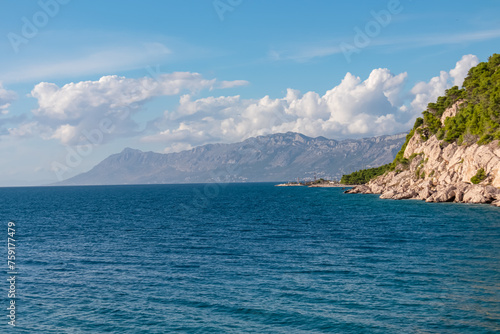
[{"x": 277, "y": 157}]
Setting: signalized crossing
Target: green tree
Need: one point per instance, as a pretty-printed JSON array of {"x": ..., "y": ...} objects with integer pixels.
[{"x": 477, "y": 120}]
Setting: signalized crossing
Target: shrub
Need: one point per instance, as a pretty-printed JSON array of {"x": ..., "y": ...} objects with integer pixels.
[
  {"x": 364, "y": 175},
  {"x": 479, "y": 177},
  {"x": 400, "y": 159},
  {"x": 478, "y": 119},
  {"x": 419, "y": 121}
]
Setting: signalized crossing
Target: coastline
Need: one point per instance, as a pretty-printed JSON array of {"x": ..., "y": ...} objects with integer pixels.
[
  {"x": 330, "y": 186},
  {"x": 318, "y": 185}
]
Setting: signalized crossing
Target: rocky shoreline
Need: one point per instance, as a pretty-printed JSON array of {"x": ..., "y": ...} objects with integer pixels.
[
  {"x": 315, "y": 185},
  {"x": 441, "y": 172},
  {"x": 337, "y": 185},
  {"x": 460, "y": 193}
]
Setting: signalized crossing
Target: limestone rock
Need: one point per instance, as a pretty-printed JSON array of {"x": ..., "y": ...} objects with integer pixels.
[
  {"x": 442, "y": 172},
  {"x": 362, "y": 189},
  {"x": 481, "y": 194},
  {"x": 451, "y": 111},
  {"x": 388, "y": 194}
]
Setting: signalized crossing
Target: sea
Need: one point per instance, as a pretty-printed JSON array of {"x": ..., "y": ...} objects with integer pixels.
[{"x": 245, "y": 258}]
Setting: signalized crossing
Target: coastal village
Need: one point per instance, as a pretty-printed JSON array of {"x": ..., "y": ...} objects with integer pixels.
[{"x": 315, "y": 183}]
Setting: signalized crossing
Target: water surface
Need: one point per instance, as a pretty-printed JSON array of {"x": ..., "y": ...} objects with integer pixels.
[{"x": 249, "y": 258}]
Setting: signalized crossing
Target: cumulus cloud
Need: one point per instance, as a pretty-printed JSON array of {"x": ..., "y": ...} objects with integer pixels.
[
  {"x": 73, "y": 100},
  {"x": 6, "y": 98},
  {"x": 354, "y": 107},
  {"x": 66, "y": 112},
  {"x": 426, "y": 92},
  {"x": 459, "y": 73}
]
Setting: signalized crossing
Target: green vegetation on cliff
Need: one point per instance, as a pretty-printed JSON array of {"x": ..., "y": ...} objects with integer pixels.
[
  {"x": 479, "y": 177},
  {"x": 477, "y": 120},
  {"x": 364, "y": 175}
]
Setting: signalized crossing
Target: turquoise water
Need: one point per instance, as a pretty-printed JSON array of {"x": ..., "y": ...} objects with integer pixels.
[{"x": 249, "y": 258}]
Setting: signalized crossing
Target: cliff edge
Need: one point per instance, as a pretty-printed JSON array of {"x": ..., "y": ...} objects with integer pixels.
[{"x": 453, "y": 153}]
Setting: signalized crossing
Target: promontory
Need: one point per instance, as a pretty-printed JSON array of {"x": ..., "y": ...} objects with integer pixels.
[{"x": 452, "y": 154}]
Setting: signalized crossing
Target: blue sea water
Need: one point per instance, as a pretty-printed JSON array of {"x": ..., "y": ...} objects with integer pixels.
[{"x": 248, "y": 258}]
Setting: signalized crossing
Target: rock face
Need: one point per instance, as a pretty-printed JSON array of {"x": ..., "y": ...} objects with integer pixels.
[
  {"x": 452, "y": 111},
  {"x": 441, "y": 172}
]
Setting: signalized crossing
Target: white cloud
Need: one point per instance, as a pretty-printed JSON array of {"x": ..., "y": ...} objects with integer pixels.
[
  {"x": 6, "y": 98},
  {"x": 426, "y": 92},
  {"x": 66, "y": 113},
  {"x": 232, "y": 84},
  {"x": 111, "y": 93},
  {"x": 178, "y": 147},
  {"x": 459, "y": 73},
  {"x": 354, "y": 107},
  {"x": 65, "y": 133}
]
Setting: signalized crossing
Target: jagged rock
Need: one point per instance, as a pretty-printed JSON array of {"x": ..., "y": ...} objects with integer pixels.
[
  {"x": 442, "y": 172},
  {"x": 362, "y": 189},
  {"x": 475, "y": 195},
  {"x": 481, "y": 194},
  {"x": 451, "y": 111},
  {"x": 424, "y": 193},
  {"x": 388, "y": 194},
  {"x": 444, "y": 194},
  {"x": 493, "y": 192},
  {"x": 461, "y": 188},
  {"x": 376, "y": 188},
  {"x": 405, "y": 195}
]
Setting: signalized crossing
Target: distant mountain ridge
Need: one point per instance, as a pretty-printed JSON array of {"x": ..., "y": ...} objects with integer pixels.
[{"x": 276, "y": 157}]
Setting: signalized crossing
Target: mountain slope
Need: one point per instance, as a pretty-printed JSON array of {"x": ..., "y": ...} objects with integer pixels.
[
  {"x": 277, "y": 157},
  {"x": 453, "y": 153}
]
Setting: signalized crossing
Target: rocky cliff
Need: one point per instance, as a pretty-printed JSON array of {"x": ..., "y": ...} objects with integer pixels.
[
  {"x": 453, "y": 154},
  {"x": 440, "y": 172}
]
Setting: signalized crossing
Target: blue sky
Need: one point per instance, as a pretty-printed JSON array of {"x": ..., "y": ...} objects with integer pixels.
[{"x": 81, "y": 80}]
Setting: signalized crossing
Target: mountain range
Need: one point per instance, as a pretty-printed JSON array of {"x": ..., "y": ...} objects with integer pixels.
[{"x": 277, "y": 157}]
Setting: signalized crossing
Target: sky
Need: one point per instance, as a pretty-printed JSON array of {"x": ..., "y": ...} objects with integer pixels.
[{"x": 81, "y": 80}]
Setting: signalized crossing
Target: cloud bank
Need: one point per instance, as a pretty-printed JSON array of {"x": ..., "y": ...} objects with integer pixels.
[
  {"x": 356, "y": 107},
  {"x": 64, "y": 113},
  {"x": 351, "y": 108}
]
